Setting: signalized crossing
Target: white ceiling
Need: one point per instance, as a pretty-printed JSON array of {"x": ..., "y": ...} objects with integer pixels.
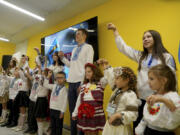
[{"x": 18, "y": 27}]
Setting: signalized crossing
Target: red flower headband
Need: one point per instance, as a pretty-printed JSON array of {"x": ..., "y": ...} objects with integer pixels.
[
  {"x": 90, "y": 65},
  {"x": 47, "y": 69}
]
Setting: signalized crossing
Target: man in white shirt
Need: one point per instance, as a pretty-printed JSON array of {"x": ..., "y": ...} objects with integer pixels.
[{"x": 81, "y": 55}]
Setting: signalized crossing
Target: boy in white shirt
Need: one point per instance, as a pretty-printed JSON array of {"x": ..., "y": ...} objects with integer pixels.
[{"x": 58, "y": 102}]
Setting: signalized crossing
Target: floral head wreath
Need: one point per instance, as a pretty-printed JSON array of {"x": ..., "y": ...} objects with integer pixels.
[{"x": 118, "y": 71}]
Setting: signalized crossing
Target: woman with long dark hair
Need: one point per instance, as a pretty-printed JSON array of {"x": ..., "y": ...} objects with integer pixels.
[
  {"x": 57, "y": 65},
  {"x": 153, "y": 53}
]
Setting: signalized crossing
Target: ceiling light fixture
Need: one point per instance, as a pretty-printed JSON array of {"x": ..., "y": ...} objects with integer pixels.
[
  {"x": 4, "y": 39},
  {"x": 21, "y": 10}
]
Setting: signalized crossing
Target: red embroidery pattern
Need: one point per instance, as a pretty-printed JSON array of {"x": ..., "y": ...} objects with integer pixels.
[
  {"x": 154, "y": 110},
  {"x": 20, "y": 84},
  {"x": 37, "y": 78},
  {"x": 86, "y": 110}
]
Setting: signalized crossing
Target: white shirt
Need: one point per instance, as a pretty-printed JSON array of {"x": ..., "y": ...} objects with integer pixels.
[
  {"x": 12, "y": 70},
  {"x": 56, "y": 69},
  {"x": 57, "y": 102},
  {"x": 13, "y": 87},
  {"x": 25, "y": 66},
  {"x": 22, "y": 82},
  {"x": 76, "y": 67},
  {"x": 4, "y": 84},
  {"x": 142, "y": 84},
  {"x": 35, "y": 84},
  {"x": 41, "y": 90},
  {"x": 159, "y": 117}
]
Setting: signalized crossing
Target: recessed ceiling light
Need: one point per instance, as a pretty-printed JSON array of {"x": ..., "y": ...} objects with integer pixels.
[{"x": 21, "y": 10}]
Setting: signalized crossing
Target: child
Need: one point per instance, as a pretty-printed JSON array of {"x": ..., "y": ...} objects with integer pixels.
[
  {"x": 162, "y": 110},
  {"x": 12, "y": 106},
  {"x": 58, "y": 102},
  {"x": 42, "y": 101},
  {"x": 22, "y": 99},
  {"x": 89, "y": 106},
  {"x": 4, "y": 84},
  {"x": 123, "y": 105},
  {"x": 32, "y": 124}
]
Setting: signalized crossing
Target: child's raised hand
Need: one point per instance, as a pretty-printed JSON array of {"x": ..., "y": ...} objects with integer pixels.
[
  {"x": 100, "y": 61},
  {"x": 36, "y": 49},
  {"x": 60, "y": 54},
  {"x": 103, "y": 62},
  {"x": 39, "y": 67},
  {"x": 114, "y": 117}
]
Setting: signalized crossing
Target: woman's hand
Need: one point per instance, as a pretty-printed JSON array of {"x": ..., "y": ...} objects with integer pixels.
[{"x": 111, "y": 26}]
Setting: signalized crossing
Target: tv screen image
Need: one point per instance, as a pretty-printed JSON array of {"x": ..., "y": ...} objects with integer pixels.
[{"x": 64, "y": 40}]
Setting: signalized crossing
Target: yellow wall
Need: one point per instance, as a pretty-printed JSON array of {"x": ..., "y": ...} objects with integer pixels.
[
  {"x": 132, "y": 18},
  {"x": 6, "y": 49}
]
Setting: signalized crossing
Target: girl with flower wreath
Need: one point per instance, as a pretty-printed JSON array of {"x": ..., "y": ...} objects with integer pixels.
[
  {"x": 123, "y": 105},
  {"x": 89, "y": 106}
]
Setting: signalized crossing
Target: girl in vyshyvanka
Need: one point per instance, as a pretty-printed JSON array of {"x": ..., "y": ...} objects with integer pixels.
[
  {"x": 161, "y": 113},
  {"x": 42, "y": 101},
  {"x": 123, "y": 105},
  {"x": 89, "y": 106},
  {"x": 35, "y": 79},
  {"x": 22, "y": 99}
]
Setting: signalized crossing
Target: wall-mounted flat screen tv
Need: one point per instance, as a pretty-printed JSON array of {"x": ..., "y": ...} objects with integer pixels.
[{"x": 64, "y": 40}]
